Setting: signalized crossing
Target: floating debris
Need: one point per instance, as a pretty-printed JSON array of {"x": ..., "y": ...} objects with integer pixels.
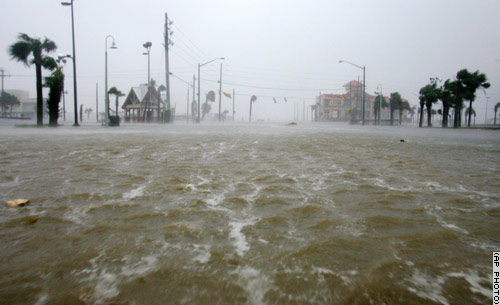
[{"x": 17, "y": 202}]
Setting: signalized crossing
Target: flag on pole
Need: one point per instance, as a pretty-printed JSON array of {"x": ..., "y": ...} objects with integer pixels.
[{"x": 227, "y": 94}]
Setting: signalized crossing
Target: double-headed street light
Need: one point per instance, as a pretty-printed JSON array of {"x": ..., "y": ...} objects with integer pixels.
[
  {"x": 364, "y": 85},
  {"x": 147, "y": 46},
  {"x": 74, "y": 60},
  {"x": 199, "y": 66},
  {"x": 113, "y": 46}
]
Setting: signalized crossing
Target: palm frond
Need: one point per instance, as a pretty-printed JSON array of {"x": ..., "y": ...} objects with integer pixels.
[
  {"x": 20, "y": 51},
  {"x": 48, "y": 45},
  {"x": 49, "y": 63}
]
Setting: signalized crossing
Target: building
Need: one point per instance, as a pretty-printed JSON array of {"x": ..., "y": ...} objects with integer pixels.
[
  {"x": 27, "y": 105},
  {"x": 142, "y": 105},
  {"x": 346, "y": 106}
]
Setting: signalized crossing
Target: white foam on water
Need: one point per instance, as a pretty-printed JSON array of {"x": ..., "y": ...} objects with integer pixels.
[
  {"x": 106, "y": 281},
  {"x": 474, "y": 280},
  {"x": 138, "y": 191},
  {"x": 427, "y": 287},
  {"x": 238, "y": 238},
  {"x": 203, "y": 252},
  {"x": 254, "y": 283},
  {"x": 442, "y": 222},
  {"x": 42, "y": 299}
]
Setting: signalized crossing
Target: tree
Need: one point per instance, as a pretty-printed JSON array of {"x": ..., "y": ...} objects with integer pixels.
[
  {"x": 377, "y": 105},
  {"x": 469, "y": 112},
  {"x": 465, "y": 88},
  {"x": 394, "y": 104},
  {"x": 205, "y": 107},
  {"x": 430, "y": 94},
  {"x": 473, "y": 81},
  {"x": 55, "y": 83},
  {"x": 8, "y": 101},
  {"x": 412, "y": 110},
  {"x": 252, "y": 100},
  {"x": 117, "y": 93},
  {"x": 497, "y": 106},
  {"x": 21, "y": 51},
  {"x": 448, "y": 99},
  {"x": 88, "y": 111},
  {"x": 421, "y": 99},
  {"x": 404, "y": 106}
]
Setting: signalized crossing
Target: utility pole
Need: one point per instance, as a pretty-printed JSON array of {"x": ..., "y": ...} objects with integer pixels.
[
  {"x": 3, "y": 75},
  {"x": 233, "y": 105},
  {"x": 193, "y": 103},
  {"x": 187, "y": 106},
  {"x": 220, "y": 89},
  {"x": 96, "y": 102},
  {"x": 167, "y": 44}
]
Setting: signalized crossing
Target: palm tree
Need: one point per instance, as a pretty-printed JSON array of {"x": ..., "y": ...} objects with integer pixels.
[
  {"x": 117, "y": 93},
  {"x": 205, "y": 107},
  {"x": 448, "y": 99},
  {"x": 88, "y": 111},
  {"x": 377, "y": 105},
  {"x": 421, "y": 99},
  {"x": 8, "y": 101},
  {"x": 21, "y": 50},
  {"x": 412, "y": 112},
  {"x": 497, "y": 106},
  {"x": 394, "y": 103},
  {"x": 472, "y": 82},
  {"x": 470, "y": 112},
  {"x": 404, "y": 106},
  {"x": 430, "y": 94},
  {"x": 55, "y": 82},
  {"x": 252, "y": 100}
]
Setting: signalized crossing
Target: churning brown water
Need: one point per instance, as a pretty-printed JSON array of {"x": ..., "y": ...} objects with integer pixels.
[{"x": 248, "y": 214}]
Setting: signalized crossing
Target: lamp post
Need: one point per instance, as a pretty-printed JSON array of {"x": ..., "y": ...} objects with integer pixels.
[
  {"x": 199, "y": 66},
  {"x": 74, "y": 61},
  {"x": 106, "y": 94},
  {"x": 147, "y": 45},
  {"x": 364, "y": 85}
]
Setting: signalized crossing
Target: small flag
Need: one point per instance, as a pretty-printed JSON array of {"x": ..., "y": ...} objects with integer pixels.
[
  {"x": 227, "y": 94},
  {"x": 274, "y": 99}
]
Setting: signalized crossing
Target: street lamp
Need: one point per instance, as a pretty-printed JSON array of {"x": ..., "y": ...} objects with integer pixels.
[
  {"x": 364, "y": 85},
  {"x": 74, "y": 60},
  {"x": 147, "y": 46},
  {"x": 106, "y": 94},
  {"x": 199, "y": 66}
]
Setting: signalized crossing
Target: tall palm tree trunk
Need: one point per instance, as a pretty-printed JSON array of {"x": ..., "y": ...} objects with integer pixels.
[
  {"x": 250, "y": 119},
  {"x": 470, "y": 107},
  {"x": 446, "y": 111},
  {"x": 429, "y": 116},
  {"x": 39, "y": 95},
  {"x": 421, "y": 118}
]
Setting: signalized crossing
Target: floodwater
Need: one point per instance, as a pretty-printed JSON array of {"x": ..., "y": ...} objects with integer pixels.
[{"x": 248, "y": 214}]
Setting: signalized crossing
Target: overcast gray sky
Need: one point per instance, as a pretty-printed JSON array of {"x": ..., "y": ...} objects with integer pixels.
[{"x": 291, "y": 46}]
